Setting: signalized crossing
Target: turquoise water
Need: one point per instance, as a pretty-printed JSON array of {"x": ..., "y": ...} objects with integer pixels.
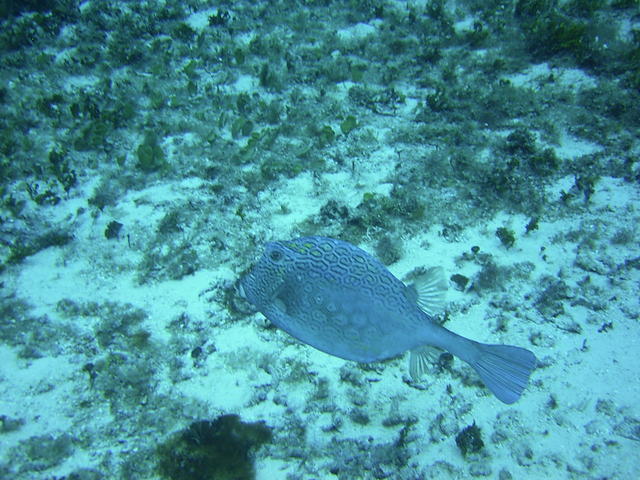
[{"x": 149, "y": 150}]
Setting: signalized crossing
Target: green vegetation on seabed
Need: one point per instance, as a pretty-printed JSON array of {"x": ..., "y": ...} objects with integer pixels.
[{"x": 261, "y": 95}]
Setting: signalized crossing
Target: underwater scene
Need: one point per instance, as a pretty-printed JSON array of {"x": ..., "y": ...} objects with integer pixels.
[{"x": 319, "y": 239}]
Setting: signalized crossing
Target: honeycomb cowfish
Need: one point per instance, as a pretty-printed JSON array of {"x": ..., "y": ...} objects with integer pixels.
[{"x": 341, "y": 300}]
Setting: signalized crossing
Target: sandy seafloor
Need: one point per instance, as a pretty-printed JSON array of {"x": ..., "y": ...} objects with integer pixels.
[{"x": 113, "y": 343}]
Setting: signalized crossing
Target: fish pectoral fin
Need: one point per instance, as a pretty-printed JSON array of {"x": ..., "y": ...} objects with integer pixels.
[
  {"x": 430, "y": 290},
  {"x": 421, "y": 358},
  {"x": 279, "y": 304}
]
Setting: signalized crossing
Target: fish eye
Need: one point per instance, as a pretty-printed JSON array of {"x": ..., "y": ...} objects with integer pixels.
[{"x": 275, "y": 255}]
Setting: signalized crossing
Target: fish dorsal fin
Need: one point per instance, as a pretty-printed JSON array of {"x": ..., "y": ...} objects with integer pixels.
[
  {"x": 429, "y": 290},
  {"x": 421, "y": 358}
]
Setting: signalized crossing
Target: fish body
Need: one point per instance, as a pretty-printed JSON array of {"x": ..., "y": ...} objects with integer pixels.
[{"x": 341, "y": 300}]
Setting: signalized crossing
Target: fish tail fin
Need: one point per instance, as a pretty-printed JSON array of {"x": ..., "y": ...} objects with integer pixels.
[{"x": 504, "y": 369}]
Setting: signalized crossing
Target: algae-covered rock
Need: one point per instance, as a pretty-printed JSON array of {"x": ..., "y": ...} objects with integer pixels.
[
  {"x": 213, "y": 449},
  {"x": 469, "y": 440},
  {"x": 150, "y": 155},
  {"x": 47, "y": 451}
]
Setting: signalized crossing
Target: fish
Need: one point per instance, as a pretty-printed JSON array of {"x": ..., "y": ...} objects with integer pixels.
[{"x": 341, "y": 300}]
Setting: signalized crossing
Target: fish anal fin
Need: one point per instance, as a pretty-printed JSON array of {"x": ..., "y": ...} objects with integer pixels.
[{"x": 421, "y": 358}]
